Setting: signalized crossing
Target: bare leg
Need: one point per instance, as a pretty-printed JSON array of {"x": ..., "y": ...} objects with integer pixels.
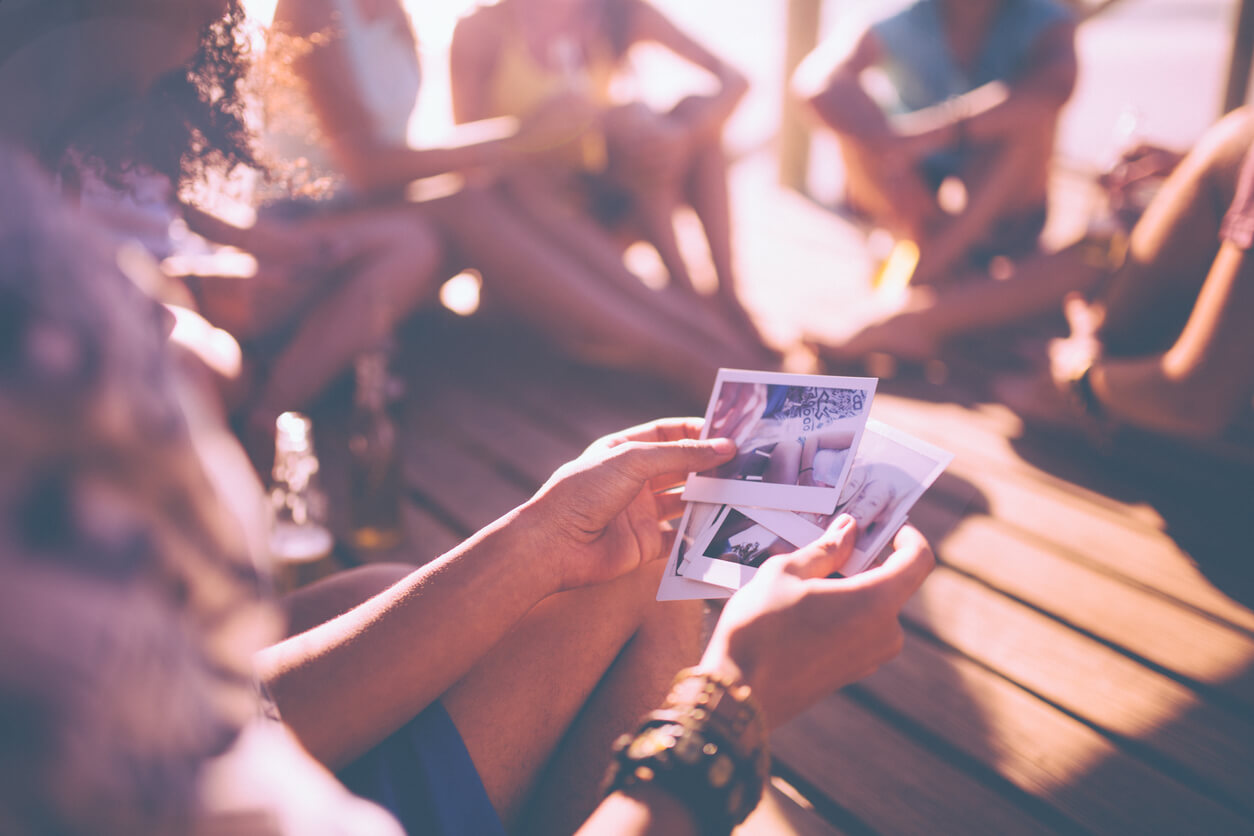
[
  {"x": 655, "y": 205},
  {"x": 707, "y": 195},
  {"x": 539, "y": 712},
  {"x": 395, "y": 273},
  {"x": 913, "y": 325},
  {"x": 668, "y": 639},
  {"x": 895, "y": 197},
  {"x": 573, "y": 650},
  {"x": 1175, "y": 240},
  {"x": 550, "y": 289},
  {"x": 598, "y": 257},
  {"x": 1005, "y": 179}
]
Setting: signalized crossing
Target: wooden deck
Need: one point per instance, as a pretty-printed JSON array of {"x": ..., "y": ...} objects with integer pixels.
[{"x": 1082, "y": 660}]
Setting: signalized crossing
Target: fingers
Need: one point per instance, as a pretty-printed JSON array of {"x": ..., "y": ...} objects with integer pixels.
[
  {"x": 663, "y": 465},
  {"x": 826, "y": 554},
  {"x": 906, "y": 568},
  {"x": 663, "y": 429}
]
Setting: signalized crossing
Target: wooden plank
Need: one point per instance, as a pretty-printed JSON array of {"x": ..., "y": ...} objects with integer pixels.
[
  {"x": 456, "y": 484},
  {"x": 882, "y": 778},
  {"x": 1155, "y": 628},
  {"x": 589, "y": 405},
  {"x": 1124, "y": 539},
  {"x": 1194, "y": 740},
  {"x": 1039, "y": 749},
  {"x": 493, "y": 423}
]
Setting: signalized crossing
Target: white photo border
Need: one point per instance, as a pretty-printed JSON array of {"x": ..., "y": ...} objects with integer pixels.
[{"x": 805, "y": 498}]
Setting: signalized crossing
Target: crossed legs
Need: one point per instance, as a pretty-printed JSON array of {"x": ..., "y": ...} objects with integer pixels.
[
  {"x": 1005, "y": 179},
  {"x": 539, "y": 712}
]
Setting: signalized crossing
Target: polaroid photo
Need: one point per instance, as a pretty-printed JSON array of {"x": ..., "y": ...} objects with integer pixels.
[
  {"x": 795, "y": 436},
  {"x": 674, "y": 586},
  {"x": 891, "y": 471}
]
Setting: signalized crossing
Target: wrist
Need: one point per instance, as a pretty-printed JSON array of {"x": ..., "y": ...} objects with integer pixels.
[
  {"x": 706, "y": 747},
  {"x": 540, "y": 543}
]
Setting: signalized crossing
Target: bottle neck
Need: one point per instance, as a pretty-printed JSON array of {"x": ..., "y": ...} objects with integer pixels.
[{"x": 370, "y": 370}]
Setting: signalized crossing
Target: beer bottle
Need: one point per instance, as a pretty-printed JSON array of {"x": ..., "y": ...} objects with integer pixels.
[{"x": 374, "y": 465}]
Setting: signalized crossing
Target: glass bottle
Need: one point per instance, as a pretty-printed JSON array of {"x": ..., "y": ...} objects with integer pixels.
[
  {"x": 374, "y": 466},
  {"x": 300, "y": 542}
]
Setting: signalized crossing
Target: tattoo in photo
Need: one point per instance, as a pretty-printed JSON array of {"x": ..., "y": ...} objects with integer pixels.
[{"x": 795, "y": 435}]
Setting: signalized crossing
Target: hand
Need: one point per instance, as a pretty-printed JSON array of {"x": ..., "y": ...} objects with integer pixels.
[
  {"x": 794, "y": 635},
  {"x": 1131, "y": 184},
  {"x": 558, "y": 121},
  {"x": 603, "y": 514},
  {"x": 1069, "y": 357}
]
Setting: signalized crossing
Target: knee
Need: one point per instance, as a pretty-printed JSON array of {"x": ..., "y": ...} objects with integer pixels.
[{"x": 1221, "y": 149}]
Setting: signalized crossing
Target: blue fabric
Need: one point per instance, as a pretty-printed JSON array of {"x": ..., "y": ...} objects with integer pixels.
[
  {"x": 918, "y": 62},
  {"x": 424, "y": 776}
]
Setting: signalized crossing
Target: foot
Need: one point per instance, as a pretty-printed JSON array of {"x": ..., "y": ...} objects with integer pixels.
[{"x": 884, "y": 327}]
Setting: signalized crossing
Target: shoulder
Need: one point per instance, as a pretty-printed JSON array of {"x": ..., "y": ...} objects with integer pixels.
[{"x": 304, "y": 17}]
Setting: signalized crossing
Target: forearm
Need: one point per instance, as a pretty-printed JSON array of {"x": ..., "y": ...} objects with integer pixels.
[
  {"x": 995, "y": 110},
  {"x": 640, "y": 811},
  {"x": 381, "y": 167},
  {"x": 346, "y": 684}
]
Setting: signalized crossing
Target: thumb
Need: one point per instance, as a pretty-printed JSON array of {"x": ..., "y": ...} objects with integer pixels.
[
  {"x": 826, "y": 554},
  {"x": 647, "y": 460}
]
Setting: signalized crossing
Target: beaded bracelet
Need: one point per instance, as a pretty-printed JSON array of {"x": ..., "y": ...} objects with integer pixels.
[{"x": 707, "y": 746}]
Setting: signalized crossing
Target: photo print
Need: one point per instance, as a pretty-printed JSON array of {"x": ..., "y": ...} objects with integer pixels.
[
  {"x": 795, "y": 436},
  {"x": 891, "y": 470},
  {"x": 698, "y": 517}
]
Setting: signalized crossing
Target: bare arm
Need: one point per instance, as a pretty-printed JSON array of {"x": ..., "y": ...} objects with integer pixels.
[
  {"x": 346, "y": 684},
  {"x": 1034, "y": 98},
  {"x": 703, "y": 121},
  {"x": 832, "y": 85},
  {"x": 345, "y": 123}
]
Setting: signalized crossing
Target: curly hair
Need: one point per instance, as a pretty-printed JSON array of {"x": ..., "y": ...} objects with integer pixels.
[{"x": 190, "y": 123}]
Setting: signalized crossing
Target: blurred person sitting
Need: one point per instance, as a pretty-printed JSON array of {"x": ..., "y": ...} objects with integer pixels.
[
  {"x": 622, "y": 169},
  {"x": 1165, "y": 344},
  {"x": 141, "y": 664},
  {"x": 917, "y": 323},
  {"x": 973, "y": 93},
  {"x": 343, "y": 80},
  {"x": 137, "y": 125}
]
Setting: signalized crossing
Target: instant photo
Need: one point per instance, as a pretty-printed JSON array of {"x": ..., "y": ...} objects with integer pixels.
[
  {"x": 891, "y": 470},
  {"x": 795, "y": 437},
  {"x": 675, "y": 587}
]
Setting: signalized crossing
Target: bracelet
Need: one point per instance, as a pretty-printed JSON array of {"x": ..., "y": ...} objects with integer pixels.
[
  {"x": 707, "y": 746},
  {"x": 1081, "y": 386}
]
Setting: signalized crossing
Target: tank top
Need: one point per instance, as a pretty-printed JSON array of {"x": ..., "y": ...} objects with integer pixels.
[{"x": 386, "y": 76}]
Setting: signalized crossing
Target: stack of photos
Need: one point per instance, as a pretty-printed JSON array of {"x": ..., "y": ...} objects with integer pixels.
[{"x": 806, "y": 453}]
